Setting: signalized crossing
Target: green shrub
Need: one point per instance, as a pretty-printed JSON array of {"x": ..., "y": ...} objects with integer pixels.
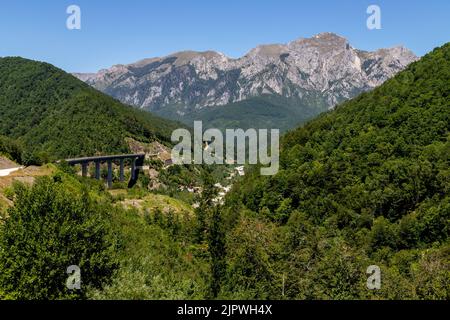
[{"x": 51, "y": 227}]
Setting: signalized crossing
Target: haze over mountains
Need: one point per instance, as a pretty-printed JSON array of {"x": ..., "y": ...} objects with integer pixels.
[{"x": 278, "y": 85}]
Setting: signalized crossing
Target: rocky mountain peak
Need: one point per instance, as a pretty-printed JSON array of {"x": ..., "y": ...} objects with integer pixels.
[{"x": 324, "y": 67}]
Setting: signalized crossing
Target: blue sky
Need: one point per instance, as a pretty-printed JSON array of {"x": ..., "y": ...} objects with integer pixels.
[{"x": 116, "y": 31}]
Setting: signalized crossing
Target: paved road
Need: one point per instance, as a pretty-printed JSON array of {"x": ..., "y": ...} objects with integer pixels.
[{"x": 7, "y": 172}]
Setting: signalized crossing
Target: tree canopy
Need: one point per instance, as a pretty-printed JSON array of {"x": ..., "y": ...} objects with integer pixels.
[{"x": 367, "y": 183}]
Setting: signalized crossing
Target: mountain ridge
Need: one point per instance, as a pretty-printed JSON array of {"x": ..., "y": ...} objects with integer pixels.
[{"x": 324, "y": 63}]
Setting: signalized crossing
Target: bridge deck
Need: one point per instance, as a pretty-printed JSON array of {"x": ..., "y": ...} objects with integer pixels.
[{"x": 104, "y": 158}]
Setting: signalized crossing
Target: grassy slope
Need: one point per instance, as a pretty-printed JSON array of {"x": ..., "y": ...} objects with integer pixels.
[
  {"x": 26, "y": 175},
  {"x": 151, "y": 201}
]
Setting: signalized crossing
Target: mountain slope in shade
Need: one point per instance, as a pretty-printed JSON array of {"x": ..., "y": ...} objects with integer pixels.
[
  {"x": 55, "y": 115},
  {"x": 265, "y": 111},
  {"x": 318, "y": 72}
]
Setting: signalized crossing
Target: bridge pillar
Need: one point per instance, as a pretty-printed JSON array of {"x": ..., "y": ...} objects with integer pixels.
[
  {"x": 133, "y": 168},
  {"x": 84, "y": 169},
  {"x": 137, "y": 162},
  {"x": 97, "y": 170},
  {"x": 122, "y": 177},
  {"x": 110, "y": 174}
]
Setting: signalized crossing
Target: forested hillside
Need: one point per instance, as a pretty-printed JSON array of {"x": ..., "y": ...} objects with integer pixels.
[
  {"x": 54, "y": 115},
  {"x": 10, "y": 148},
  {"x": 266, "y": 111},
  {"x": 366, "y": 184}
]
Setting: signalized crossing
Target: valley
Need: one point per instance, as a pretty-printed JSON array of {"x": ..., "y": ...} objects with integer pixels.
[{"x": 364, "y": 183}]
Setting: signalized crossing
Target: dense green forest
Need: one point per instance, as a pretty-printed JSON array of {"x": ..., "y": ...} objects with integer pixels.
[
  {"x": 365, "y": 184},
  {"x": 53, "y": 115},
  {"x": 10, "y": 148}
]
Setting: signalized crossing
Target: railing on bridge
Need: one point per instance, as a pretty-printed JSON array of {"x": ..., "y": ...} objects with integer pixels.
[{"x": 137, "y": 161}]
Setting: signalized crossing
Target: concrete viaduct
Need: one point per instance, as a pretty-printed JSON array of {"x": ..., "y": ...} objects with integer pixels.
[{"x": 137, "y": 161}]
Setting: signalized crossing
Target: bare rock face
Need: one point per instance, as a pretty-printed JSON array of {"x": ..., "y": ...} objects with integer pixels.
[{"x": 324, "y": 66}]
